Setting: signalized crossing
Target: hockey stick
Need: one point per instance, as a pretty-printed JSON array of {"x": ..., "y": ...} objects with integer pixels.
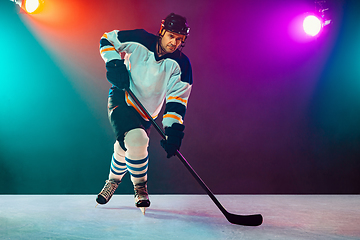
[{"x": 245, "y": 220}]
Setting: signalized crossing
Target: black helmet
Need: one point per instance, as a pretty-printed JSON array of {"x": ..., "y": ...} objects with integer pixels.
[{"x": 174, "y": 23}]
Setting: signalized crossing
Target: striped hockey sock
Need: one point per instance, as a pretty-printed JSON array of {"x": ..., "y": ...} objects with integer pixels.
[
  {"x": 118, "y": 164},
  {"x": 136, "y": 157},
  {"x": 137, "y": 169},
  {"x": 117, "y": 169}
]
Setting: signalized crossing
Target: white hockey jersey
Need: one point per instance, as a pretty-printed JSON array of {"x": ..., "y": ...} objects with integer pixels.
[{"x": 153, "y": 78}]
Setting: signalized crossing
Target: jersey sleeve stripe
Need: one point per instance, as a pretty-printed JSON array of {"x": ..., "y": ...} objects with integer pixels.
[
  {"x": 107, "y": 49},
  {"x": 169, "y": 115},
  {"x": 178, "y": 99},
  {"x": 176, "y": 107}
]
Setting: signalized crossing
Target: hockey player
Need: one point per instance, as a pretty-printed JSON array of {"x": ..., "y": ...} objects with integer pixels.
[{"x": 156, "y": 70}]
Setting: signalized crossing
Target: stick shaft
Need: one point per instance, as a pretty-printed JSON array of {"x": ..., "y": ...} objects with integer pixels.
[
  {"x": 245, "y": 220},
  {"x": 178, "y": 154}
]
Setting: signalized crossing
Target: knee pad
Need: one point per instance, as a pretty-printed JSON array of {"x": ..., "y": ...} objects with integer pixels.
[
  {"x": 136, "y": 143},
  {"x": 136, "y": 137}
]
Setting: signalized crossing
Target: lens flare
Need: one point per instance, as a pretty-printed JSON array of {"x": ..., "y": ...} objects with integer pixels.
[
  {"x": 312, "y": 25},
  {"x": 30, "y": 6}
]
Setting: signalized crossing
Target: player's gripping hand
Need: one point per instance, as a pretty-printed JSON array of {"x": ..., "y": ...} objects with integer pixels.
[
  {"x": 173, "y": 141},
  {"x": 117, "y": 74}
]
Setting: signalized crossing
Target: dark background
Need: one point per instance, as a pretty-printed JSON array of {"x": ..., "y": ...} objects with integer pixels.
[{"x": 271, "y": 111}]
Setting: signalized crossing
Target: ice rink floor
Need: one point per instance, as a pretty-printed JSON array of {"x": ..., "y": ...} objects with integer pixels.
[{"x": 182, "y": 217}]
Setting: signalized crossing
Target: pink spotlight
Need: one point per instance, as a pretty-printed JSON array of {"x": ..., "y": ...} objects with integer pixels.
[{"x": 312, "y": 25}]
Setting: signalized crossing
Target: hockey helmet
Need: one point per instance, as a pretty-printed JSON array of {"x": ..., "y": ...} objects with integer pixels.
[{"x": 176, "y": 24}]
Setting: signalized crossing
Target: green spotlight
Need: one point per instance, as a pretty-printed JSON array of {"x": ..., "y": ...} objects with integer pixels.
[{"x": 30, "y": 6}]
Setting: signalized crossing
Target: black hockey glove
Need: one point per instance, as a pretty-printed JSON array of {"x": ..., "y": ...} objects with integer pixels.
[
  {"x": 174, "y": 136},
  {"x": 117, "y": 74}
]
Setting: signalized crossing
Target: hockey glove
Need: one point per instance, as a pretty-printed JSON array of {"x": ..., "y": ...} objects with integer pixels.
[
  {"x": 117, "y": 74},
  {"x": 174, "y": 136}
]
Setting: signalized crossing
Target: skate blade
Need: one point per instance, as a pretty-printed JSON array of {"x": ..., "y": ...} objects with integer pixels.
[{"x": 143, "y": 209}]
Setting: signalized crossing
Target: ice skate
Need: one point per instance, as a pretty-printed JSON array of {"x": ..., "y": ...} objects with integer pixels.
[
  {"x": 141, "y": 196},
  {"x": 108, "y": 191}
]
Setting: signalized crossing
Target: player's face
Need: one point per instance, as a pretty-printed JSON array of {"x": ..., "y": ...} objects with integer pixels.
[{"x": 171, "y": 41}]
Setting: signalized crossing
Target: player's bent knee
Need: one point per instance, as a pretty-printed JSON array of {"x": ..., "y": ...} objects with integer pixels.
[{"x": 136, "y": 138}]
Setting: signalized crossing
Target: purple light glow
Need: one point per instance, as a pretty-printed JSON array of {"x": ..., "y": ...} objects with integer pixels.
[
  {"x": 304, "y": 27},
  {"x": 312, "y": 25}
]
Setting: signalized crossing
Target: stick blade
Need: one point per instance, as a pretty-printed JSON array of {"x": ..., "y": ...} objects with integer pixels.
[{"x": 245, "y": 220}]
